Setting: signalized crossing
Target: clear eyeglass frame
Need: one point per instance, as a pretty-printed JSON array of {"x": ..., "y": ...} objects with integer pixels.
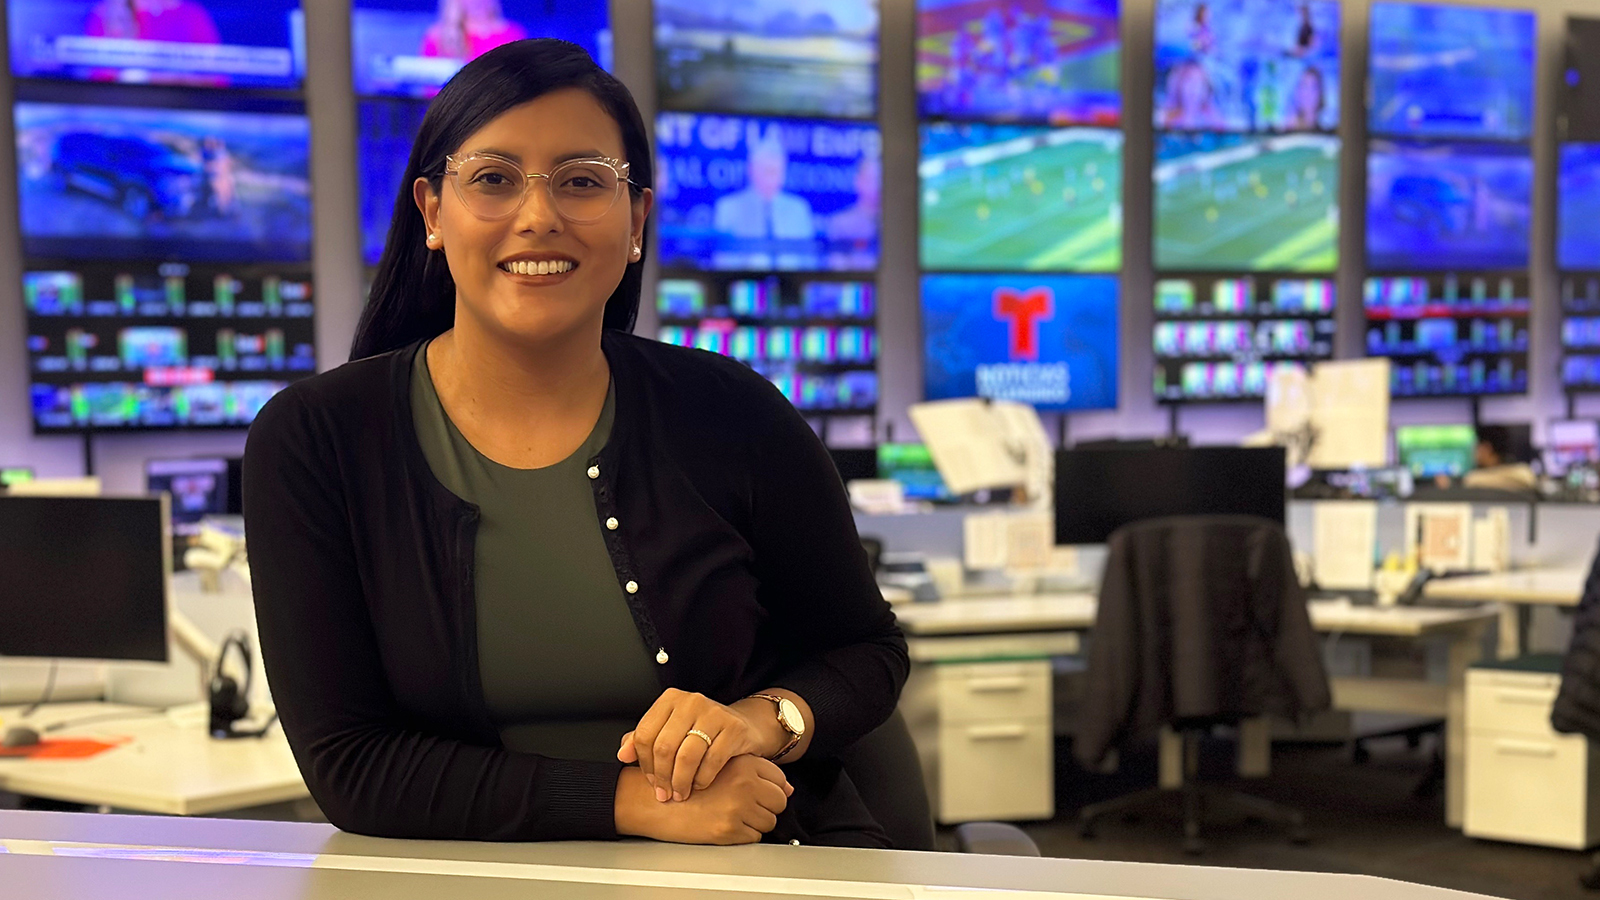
[{"x": 594, "y": 206}]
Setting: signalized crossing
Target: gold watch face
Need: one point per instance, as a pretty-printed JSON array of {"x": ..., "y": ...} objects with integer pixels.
[{"x": 789, "y": 714}]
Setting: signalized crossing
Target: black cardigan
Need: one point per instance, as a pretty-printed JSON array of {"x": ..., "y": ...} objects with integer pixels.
[
  {"x": 1577, "y": 706},
  {"x": 715, "y": 497}
]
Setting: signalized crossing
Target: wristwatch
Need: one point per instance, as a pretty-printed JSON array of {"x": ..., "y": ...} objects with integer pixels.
[{"x": 790, "y": 719}]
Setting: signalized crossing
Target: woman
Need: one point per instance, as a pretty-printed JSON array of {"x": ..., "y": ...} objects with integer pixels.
[{"x": 522, "y": 576}]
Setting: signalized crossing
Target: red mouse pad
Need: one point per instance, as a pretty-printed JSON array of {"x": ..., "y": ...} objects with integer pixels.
[{"x": 63, "y": 748}]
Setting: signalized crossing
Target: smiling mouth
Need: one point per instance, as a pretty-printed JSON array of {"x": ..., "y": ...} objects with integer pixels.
[{"x": 539, "y": 267}]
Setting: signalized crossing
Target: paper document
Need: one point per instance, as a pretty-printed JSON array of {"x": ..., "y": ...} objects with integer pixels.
[
  {"x": 969, "y": 446},
  {"x": 1491, "y": 541},
  {"x": 984, "y": 540},
  {"x": 1350, "y": 414},
  {"x": 1030, "y": 537},
  {"x": 1345, "y": 539},
  {"x": 1441, "y": 535}
]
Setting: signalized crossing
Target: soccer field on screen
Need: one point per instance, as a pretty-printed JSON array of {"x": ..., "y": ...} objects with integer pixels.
[
  {"x": 1022, "y": 199},
  {"x": 1229, "y": 202}
]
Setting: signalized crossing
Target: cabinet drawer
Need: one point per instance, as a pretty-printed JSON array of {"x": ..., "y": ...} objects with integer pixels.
[
  {"x": 1511, "y": 702},
  {"x": 1528, "y": 789},
  {"x": 982, "y": 691},
  {"x": 996, "y": 771}
]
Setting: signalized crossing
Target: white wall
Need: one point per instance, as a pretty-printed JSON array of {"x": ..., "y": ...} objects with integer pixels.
[{"x": 336, "y": 261}]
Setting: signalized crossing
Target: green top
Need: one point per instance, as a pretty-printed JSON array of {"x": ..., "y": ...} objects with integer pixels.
[{"x": 565, "y": 673}]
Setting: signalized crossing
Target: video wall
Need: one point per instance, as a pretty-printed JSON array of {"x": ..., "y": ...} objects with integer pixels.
[
  {"x": 163, "y": 179},
  {"x": 1578, "y": 208},
  {"x": 1020, "y": 199},
  {"x": 402, "y": 53},
  {"x": 1449, "y": 197},
  {"x": 769, "y": 179},
  {"x": 1246, "y": 185}
]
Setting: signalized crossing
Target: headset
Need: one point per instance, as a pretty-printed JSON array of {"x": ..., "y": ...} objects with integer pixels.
[{"x": 230, "y": 702}]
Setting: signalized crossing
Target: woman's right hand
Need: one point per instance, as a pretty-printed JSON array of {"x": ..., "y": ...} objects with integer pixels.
[{"x": 738, "y": 807}]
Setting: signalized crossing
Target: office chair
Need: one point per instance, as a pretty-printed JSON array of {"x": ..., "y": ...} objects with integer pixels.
[
  {"x": 1201, "y": 623},
  {"x": 888, "y": 775}
]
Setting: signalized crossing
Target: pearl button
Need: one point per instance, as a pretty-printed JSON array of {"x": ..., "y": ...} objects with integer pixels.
[
  {"x": 594, "y": 472},
  {"x": 661, "y": 656},
  {"x": 612, "y": 523},
  {"x": 632, "y": 587}
]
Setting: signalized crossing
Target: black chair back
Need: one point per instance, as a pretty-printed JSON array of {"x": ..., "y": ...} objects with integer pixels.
[{"x": 888, "y": 775}]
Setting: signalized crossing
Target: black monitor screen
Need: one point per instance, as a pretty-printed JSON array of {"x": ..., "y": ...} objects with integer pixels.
[
  {"x": 855, "y": 464},
  {"x": 1099, "y": 491},
  {"x": 85, "y": 578}
]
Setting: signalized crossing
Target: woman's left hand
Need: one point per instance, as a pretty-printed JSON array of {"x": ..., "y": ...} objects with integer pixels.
[{"x": 678, "y": 762}]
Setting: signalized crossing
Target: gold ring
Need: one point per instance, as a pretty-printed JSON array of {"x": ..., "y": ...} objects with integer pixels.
[{"x": 701, "y": 735}]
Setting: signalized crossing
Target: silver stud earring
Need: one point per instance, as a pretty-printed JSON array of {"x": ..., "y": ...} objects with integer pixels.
[{"x": 636, "y": 252}]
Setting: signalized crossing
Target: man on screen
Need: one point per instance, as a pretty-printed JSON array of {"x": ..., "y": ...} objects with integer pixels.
[{"x": 763, "y": 209}]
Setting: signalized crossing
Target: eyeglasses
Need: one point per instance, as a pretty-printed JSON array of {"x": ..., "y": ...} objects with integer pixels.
[{"x": 582, "y": 191}]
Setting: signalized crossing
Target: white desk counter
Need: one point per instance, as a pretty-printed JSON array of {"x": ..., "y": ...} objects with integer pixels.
[
  {"x": 58, "y": 855},
  {"x": 1047, "y": 625},
  {"x": 1519, "y": 590},
  {"x": 167, "y": 767}
]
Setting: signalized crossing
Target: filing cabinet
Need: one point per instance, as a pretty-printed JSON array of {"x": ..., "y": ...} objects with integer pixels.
[{"x": 1526, "y": 782}]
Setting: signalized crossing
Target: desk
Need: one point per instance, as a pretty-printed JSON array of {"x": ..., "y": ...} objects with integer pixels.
[
  {"x": 999, "y": 627},
  {"x": 59, "y": 855},
  {"x": 1520, "y": 591},
  {"x": 168, "y": 768}
]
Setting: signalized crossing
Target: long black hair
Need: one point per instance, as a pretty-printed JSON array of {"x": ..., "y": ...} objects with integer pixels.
[{"x": 413, "y": 296}]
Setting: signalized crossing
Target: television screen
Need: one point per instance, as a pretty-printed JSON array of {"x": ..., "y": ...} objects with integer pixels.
[
  {"x": 143, "y": 183},
  {"x": 1220, "y": 338},
  {"x": 738, "y": 193},
  {"x": 410, "y": 48},
  {"x": 1247, "y": 65},
  {"x": 1577, "y": 234},
  {"x": 778, "y": 57},
  {"x": 198, "y": 488},
  {"x": 1450, "y": 336},
  {"x": 1578, "y": 97},
  {"x": 1020, "y": 198},
  {"x": 1231, "y": 202},
  {"x": 1046, "y": 340},
  {"x": 1580, "y": 332},
  {"x": 1056, "y": 61},
  {"x": 1429, "y": 450},
  {"x": 1571, "y": 443},
  {"x": 1451, "y": 71},
  {"x": 815, "y": 338},
  {"x": 1448, "y": 206},
  {"x": 386, "y": 131},
  {"x": 168, "y": 346},
  {"x": 204, "y": 43},
  {"x": 912, "y": 466}
]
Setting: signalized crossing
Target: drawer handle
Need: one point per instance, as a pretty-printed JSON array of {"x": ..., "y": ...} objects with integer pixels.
[
  {"x": 996, "y": 685},
  {"x": 1523, "y": 697},
  {"x": 997, "y": 733},
  {"x": 1524, "y": 748}
]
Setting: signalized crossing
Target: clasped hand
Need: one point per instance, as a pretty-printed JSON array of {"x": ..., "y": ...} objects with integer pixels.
[
  {"x": 716, "y": 789},
  {"x": 685, "y": 739}
]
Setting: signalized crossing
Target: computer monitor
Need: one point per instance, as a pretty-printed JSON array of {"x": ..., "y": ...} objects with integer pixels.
[
  {"x": 198, "y": 488},
  {"x": 1099, "y": 491},
  {"x": 1429, "y": 450},
  {"x": 11, "y": 475},
  {"x": 1571, "y": 443},
  {"x": 855, "y": 463},
  {"x": 912, "y": 466},
  {"x": 85, "y": 577}
]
